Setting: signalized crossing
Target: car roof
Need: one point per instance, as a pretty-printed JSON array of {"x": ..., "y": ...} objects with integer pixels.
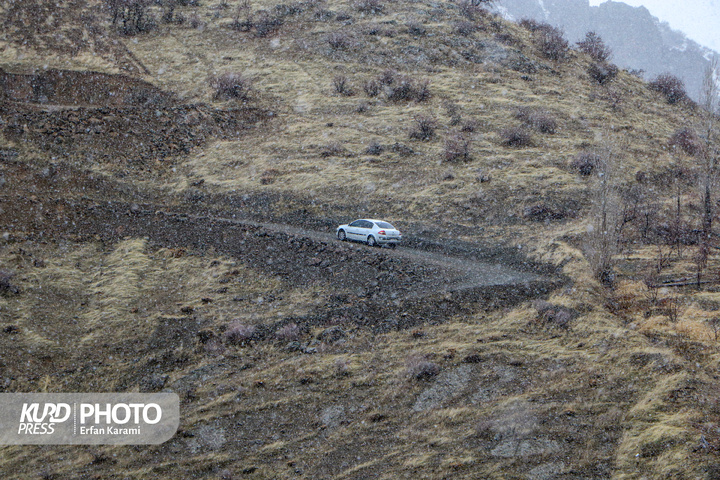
[{"x": 373, "y": 220}]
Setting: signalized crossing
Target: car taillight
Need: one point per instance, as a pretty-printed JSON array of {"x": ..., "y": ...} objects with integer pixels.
[{"x": 381, "y": 232}]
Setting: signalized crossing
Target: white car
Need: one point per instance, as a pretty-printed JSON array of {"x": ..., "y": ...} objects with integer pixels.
[{"x": 372, "y": 232}]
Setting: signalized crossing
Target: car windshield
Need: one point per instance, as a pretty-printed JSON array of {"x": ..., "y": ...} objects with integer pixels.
[{"x": 384, "y": 225}]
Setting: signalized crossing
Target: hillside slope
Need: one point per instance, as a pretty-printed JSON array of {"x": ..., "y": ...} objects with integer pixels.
[{"x": 134, "y": 186}]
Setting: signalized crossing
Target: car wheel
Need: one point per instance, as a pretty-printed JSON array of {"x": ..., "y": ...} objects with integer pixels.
[
  {"x": 371, "y": 241},
  {"x": 341, "y": 235}
]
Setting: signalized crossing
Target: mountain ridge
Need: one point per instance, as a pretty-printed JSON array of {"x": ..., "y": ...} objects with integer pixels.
[{"x": 639, "y": 40}]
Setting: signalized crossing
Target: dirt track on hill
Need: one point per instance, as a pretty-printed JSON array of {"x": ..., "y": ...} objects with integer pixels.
[{"x": 378, "y": 288}]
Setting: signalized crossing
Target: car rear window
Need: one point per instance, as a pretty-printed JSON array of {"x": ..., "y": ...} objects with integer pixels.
[{"x": 384, "y": 225}]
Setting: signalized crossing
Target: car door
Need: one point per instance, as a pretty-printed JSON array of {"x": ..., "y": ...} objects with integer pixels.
[{"x": 354, "y": 230}]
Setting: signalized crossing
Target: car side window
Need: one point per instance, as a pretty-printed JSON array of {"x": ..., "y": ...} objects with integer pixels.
[
  {"x": 366, "y": 224},
  {"x": 356, "y": 223}
]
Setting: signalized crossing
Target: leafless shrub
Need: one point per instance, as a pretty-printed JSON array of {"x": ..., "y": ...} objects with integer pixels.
[
  {"x": 371, "y": 88},
  {"x": 362, "y": 107},
  {"x": 543, "y": 122},
  {"x": 402, "y": 149},
  {"x": 403, "y": 88},
  {"x": 714, "y": 324},
  {"x": 553, "y": 315},
  {"x": 585, "y": 163},
  {"x": 288, "y": 333},
  {"x": 549, "y": 40},
  {"x": 323, "y": 15},
  {"x": 594, "y": 46},
  {"x": 238, "y": 333},
  {"x": 424, "y": 128},
  {"x": 195, "y": 22},
  {"x": 670, "y": 86},
  {"x": 232, "y": 85},
  {"x": 472, "y": 8},
  {"x": 469, "y": 126},
  {"x": 6, "y": 286},
  {"x": 243, "y": 19},
  {"x": 266, "y": 24},
  {"x": 540, "y": 120},
  {"x": 374, "y": 149},
  {"x": 420, "y": 368},
  {"x": 133, "y": 15},
  {"x": 416, "y": 28},
  {"x": 687, "y": 140},
  {"x": 334, "y": 149},
  {"x": 482, "y": 176},
  {"x": 294, "y": 8},
  {"x": 507, "y": 39},
  {"x": 465, "y": 28},
  {"x": 673, "y": 307},
  {"x": 602, "y": 73},
  {"x": 387, "y": 77},
  {"x": 457, "y": 148},
  {"x": 373, "y": 7},
  {"x": 516, "y": 137},
  {"x": 340, "y": 41},
  {"x": 343, "y": 17},
  {"x": 342, "y": 86}
]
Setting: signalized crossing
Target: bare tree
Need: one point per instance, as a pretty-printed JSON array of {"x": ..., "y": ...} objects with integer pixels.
[
  {"x": 708, "y": 155},
  {"x": 606, "y": 215}
]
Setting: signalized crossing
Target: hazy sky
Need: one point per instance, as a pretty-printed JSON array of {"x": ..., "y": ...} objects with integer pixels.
[{"x": 698, "y": 19}]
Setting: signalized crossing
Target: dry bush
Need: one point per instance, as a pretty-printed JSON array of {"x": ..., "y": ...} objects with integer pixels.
[
  {"x": 238, "y": 333},
  {"x": 232, "y": 85},
  {"x": 540, "y": 120},
  {"x": 340, "y": 41},
  {"x": 371, "y": 88},
  {"x": 6, "y": 286},
  {"x": 553, "y": 315},
  {"x": 133, "y": 15},
  {"x": 342, "y": 86},
  {"x": 549, "y": 40},
  {"x": 402, "y": 88},
  {"x": 585, "y": 163},
  {"x": 373, "y": 7},
  {"x": 670, "y": 86},
  {"x": 246, "y": 24},
  {"x": 424, "y": 128},
  {"x": 602, "y": 73},
  {"x": 516, "y": 137},
  {"x": 374, "y": 149},
  {"x": 469, "y": 126},
  {"x": 465, "y": 28},
  {"x": 266, "y": 24},
  {"x": 195, "y": 22},
  {"x": 416, "y": 28},
  {"x": 687, "y": 140},
  {"x": 457, "y": 148},
  {"x": 472, "y": 8},
  {"x": 288, "y": 333},
  {"x": 333, "y": 150},
  {"x": 595, "y": 47},
  {"x": 387, "y": 77},
  {"x": 420, "y": 368}
]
